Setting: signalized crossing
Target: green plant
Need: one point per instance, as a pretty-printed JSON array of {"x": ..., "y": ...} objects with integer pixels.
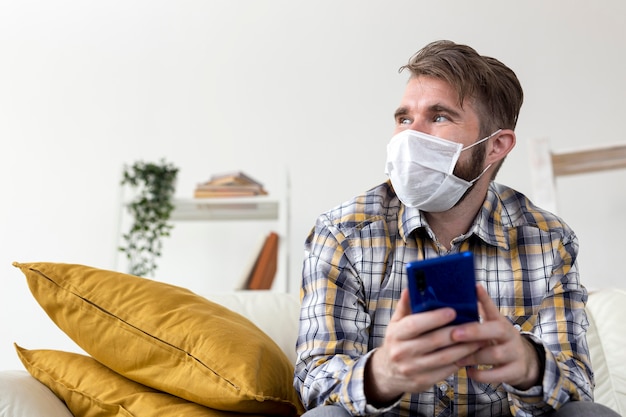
[{"x": 154, "y": 185}]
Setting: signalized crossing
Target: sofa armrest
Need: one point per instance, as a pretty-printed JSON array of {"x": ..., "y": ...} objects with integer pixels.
[
  {"x": 606, "y": 310},
  {"x": 24, "y": 396}
]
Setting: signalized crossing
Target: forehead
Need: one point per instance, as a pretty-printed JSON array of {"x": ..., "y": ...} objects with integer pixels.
[{"x": 426, "y": 91}]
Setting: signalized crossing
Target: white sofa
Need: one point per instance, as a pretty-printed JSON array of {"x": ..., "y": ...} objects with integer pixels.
[{"x": 277, "y": 315}]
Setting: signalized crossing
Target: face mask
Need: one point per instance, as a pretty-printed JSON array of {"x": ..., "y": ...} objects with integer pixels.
[{"x": 421, "y": 166}]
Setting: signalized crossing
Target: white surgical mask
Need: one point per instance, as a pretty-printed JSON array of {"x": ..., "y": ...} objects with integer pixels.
[{"x": 421, "y": 166}]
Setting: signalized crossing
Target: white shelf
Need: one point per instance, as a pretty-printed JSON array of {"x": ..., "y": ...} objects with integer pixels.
[
  {"x": 271, "y": 212},
  {"x": 219, "y": 209}
]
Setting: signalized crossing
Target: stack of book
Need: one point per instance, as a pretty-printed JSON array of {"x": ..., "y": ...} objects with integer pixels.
[{"x": 235, "y": 184}]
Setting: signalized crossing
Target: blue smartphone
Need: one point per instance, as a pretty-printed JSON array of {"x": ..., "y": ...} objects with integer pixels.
[{"x": 446, "y": 281}]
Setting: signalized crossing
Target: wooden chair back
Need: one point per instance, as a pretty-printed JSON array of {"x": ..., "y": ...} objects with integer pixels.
[{"x": 547, "y": 166}]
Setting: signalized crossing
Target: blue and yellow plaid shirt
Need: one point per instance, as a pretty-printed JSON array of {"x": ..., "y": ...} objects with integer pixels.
[{"x": 354, "y": 271}]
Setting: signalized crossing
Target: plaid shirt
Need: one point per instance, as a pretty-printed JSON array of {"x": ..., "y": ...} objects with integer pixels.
[{"x": 354, "y": 271}]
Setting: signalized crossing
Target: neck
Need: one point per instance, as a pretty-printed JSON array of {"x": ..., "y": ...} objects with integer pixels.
[{"x": 457, "y": 221}]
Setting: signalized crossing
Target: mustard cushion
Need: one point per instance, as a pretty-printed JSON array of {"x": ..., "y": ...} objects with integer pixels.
[
  {"x": 167, "y": 338},
  {"x": 88, "y": 388}
]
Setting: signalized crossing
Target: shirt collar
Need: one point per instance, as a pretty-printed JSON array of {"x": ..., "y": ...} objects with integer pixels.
[{"x": 487, "y": 225}]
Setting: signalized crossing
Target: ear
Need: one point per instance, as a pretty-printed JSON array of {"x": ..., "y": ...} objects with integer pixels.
[{"x": 500, "y": 146}]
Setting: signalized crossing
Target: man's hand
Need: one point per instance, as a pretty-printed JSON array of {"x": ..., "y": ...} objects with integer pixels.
[
  {"x": 511, "y": 357},
  {"x": 418, "y": 351}
]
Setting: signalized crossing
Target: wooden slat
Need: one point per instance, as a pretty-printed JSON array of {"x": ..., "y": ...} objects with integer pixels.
[{"x": 612, "y": 157}]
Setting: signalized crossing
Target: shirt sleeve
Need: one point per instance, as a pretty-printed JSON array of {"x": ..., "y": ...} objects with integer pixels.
[
  {"x": 561, "y": 329},
  {"x": 332, "y": 344}
]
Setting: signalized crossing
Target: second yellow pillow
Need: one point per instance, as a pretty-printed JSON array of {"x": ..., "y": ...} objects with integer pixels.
[{"x": 88, "y": 388}]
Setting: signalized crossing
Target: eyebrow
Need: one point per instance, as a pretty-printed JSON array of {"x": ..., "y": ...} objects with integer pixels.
[
  {"x": 440, "y": 108},
  {"x": 400, "y": 111}
]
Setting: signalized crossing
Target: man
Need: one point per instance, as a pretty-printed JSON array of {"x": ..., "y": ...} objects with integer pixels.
[{"x": 361, "y": 350}]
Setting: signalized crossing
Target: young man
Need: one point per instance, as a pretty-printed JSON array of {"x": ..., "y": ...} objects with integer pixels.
[{"x": 360, "y": 348}]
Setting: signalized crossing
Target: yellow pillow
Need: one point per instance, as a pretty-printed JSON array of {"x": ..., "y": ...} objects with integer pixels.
[
  {"x": 89, "y": 388},
  {"x": 167, "y": 338}
]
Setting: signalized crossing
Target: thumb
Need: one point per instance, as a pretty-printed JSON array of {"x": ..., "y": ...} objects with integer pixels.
[
  {"x": 403, "y": 308},
  {"x": 487, "y": 308}
]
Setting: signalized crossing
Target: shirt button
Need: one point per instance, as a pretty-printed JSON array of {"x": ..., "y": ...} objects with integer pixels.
[
  {"x": 518, "y": 327},
  {"x": 443, "y": 387}
]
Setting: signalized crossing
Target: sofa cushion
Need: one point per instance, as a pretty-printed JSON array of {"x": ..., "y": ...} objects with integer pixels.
[
  {"x": 275, "y": 313},
  {"x": 88, "y": 388},
  {"x": 605, "y": 309},
  {"x": 167, "y": 338}
]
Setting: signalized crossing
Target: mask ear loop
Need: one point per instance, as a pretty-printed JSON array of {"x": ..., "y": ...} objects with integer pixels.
[
  {"x": 481, "y": 141},
  {"x": 474, "y": 144},
  {"x": 481, "y": 174}
]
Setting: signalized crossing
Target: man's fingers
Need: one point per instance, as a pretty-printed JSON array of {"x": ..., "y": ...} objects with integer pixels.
[{"x": 405, "y": 325}]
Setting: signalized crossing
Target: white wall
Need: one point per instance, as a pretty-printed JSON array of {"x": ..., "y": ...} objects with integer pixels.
[{"x": 267, "y": 86}]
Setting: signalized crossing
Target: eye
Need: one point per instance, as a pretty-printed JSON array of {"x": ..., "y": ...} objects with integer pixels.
[
  {"x": 439, "y": 118},
  {"x": 404, "y": 121}
]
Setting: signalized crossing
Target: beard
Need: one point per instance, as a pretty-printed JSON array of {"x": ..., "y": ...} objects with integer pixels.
[{"x": 471, "y": 170}]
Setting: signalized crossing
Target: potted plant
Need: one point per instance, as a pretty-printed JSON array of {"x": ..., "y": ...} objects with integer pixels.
[{"x": 154, "y": 185}]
